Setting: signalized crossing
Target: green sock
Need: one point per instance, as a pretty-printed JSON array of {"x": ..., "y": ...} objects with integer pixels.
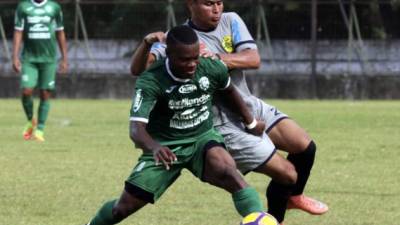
[
  {"x": 27, "y": 104},
  {"x": 44, "y": 108},
  {"x": 247, "y": 201},
  {"x": 104, "y": 216}
]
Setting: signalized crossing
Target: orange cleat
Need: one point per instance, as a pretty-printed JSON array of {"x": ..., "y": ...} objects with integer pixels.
[
  {"x": 307, "y": 204},
  {"x": 28, "y": 129}
]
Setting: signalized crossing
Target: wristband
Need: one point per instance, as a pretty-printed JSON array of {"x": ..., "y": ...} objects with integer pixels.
[{"x": 252, "y": 124}]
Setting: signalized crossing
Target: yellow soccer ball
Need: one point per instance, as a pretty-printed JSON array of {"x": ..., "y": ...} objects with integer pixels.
[{"x": 259, "y": 218}]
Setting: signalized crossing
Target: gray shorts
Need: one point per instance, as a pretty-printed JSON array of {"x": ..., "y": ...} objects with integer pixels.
[{"x": 250, "y": 151}]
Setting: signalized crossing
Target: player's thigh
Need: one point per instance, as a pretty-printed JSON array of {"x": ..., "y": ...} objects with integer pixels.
[
  {"x": 149, "y": 181},
  {"x": 279, "y": 169},
  {"x": 270, "y": 114},
  {"x": 203, "y": 144},
  {"x": 29, "y": 75},
  {"x": 248, "y": 151},
  {"x": 288, "y": 136},
  {"x": 47, "y": 76}
]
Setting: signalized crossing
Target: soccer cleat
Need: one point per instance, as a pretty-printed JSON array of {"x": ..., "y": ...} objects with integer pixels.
[
  {"x": 38, "y": 135},
  {"x": 28, "y": 129},
  {"x": 307, "y": 204}
]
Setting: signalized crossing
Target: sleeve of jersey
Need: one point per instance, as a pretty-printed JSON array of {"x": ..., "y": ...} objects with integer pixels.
[
  {"x": 59, "y": 20},
  {"x": 144, "y": 100},
  {"x": 221, "y": 74},
  {"x": 19, "y": 21},
  {"x": 158, "y": 50},
  {"x": 241, "y": 36}
]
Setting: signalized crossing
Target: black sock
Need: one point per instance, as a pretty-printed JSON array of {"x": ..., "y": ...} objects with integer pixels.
[
  {"x": 278, "y": 195},
  {"x": 303, "y": 163}
]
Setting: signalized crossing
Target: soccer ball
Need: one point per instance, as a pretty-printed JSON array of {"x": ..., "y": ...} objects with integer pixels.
[{"x": 259, "y": 218}]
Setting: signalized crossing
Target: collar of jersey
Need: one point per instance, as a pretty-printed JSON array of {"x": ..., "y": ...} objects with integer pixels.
[
  {"x": 172, "y": 75},
  {"x": 193, "y": 26},
  {"x": 39, "y": 4}
]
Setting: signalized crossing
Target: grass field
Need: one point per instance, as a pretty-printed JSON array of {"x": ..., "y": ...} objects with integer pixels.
[{"x": 87, "y": 156}]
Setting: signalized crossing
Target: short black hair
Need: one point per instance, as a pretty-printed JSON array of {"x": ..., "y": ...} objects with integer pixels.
[{"x": 182, "y": 34}]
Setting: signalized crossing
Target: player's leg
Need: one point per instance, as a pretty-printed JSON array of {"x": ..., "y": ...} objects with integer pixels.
[
  {"x": 29, "y": 77},
  {"x": 213, "y": 164},
  {"x": 252, "y": 153},
  {"x": 220, "y": 171},
  {"x": 146, "y": 184},
  {"x": 47, "y": 73},
  {"x": 114, "y": 211},
  {"x": 288, "y": 136}
]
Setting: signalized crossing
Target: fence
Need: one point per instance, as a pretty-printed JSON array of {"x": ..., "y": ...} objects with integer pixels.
[{"x": 357, "y": 37}]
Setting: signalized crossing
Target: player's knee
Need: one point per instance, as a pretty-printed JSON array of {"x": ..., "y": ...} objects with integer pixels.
[
  {"x": 288, "y": 175},
  {"x": 27, "y": 92}
]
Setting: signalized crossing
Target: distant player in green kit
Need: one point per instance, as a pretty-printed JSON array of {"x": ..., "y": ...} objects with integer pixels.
[
  {"x": 38, "y": 24},
  {"x": 171, "y": 121}
]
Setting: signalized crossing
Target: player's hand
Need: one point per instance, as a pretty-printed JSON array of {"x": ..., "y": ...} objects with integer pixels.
[
  {"x": 204, "y": 52},
  {"x": 16, "y": 65},
  {"x": 259, "y": 129},
  {"x": 165, "y": 156},
  {"x": 63, "y": 67},
  {"x": 154, "y": 37}
]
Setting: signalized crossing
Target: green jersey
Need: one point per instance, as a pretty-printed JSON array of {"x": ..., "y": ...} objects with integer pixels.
[
  {"x": 39, "y": 21},
  {"x": 178, "y": 110}
]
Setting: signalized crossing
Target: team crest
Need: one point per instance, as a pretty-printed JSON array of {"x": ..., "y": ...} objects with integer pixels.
[
  {"x": 138, "y": 100},
  {"x": 49, "y": 9},
  {"x": 227, "y": 43},
  {"x": 204, "y": 83}
]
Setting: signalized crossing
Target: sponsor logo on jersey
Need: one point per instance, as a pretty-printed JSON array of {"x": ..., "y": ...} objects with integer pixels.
[
  {"x": 185, "y": 124},
  {"x": 188, "y": 102},
  {"x": 170, "y": 89},
  {"x": 39, "y": 19},
  {"x": 227, "y": 43},
  {"x": 39, "y": 11},
  {"x": 39, "y": 28},
  {"x": 138, "y": 100},
  {"x": 39, "y": 35},
  {"x": 187, "y": 88},
  {"x": 204, "y": 83}
]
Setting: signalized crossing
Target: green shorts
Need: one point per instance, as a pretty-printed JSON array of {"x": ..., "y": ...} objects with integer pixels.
[
  {"x": 148, "y": 181},
  {"x": 40, "y": 75}
]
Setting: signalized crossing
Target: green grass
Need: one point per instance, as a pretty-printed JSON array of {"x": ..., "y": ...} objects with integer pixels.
[{"x": 87, "y": 155}]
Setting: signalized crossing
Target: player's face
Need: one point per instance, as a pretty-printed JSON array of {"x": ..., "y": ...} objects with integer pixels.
[
  {"x": 206, "y": 14},
  {"x": 184, "y": 59}
]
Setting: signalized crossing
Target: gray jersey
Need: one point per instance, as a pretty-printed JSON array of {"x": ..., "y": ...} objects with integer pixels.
[{"x": 230, "y": 36}]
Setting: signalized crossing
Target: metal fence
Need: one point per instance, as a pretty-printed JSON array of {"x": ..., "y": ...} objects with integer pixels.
[{"x": 295, "y": 36}]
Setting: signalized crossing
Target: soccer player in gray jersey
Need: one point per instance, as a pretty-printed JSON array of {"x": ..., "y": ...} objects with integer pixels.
[{"x": 225, "y": 36}]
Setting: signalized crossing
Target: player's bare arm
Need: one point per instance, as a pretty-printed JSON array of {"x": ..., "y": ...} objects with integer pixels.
[
  {"x": 143, "y": 140},
  {"x": 142, "y": 58},
  {"x": 62, "y": 44},
  {"x": 17, "y": 40},
  {"x": 237, "y": 104},
  {"x": 246, "y": 59}
]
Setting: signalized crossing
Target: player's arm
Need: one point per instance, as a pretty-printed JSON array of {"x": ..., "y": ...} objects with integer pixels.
[
  {"x": 143, "y": 140},
  {"x": 19, "y": 24},
  {"x": 236, "y": 104},
  {"x": 17, "y": 40},
  {"x": 146, "y": 96},
  {"x": 62, "y": 44},
  {"x": 142, "y": 58},
  {"x": 246, "y": 59}
]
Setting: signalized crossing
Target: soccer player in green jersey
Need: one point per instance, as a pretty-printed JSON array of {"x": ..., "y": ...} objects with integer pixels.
[
  {"x": 171, "y": 121},
  {"x": 38, "y": 24}
]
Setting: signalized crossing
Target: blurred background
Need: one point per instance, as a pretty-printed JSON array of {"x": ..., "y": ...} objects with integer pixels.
[{"x": 310, "y": 48}]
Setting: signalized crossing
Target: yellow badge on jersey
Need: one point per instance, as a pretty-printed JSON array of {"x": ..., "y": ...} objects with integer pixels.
[{"x": 227, "y": 43}]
